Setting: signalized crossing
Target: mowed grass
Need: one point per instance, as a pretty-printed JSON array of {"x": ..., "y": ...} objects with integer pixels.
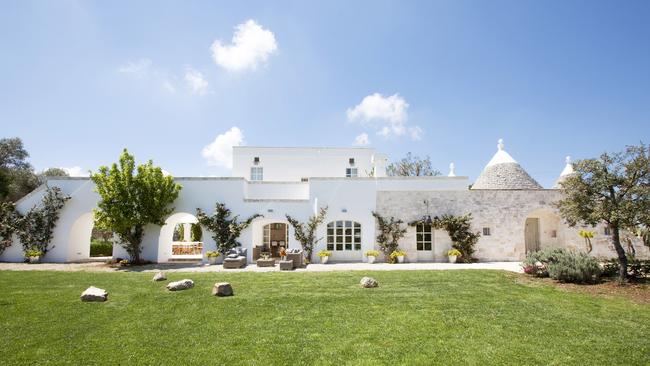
[{"x": 414, "y": 317}]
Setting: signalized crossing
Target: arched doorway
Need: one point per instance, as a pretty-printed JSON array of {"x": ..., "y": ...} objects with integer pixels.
[
  {"x": 79, "y": 238},
  {"x": 541, "y": 230},
  {"x": 181, "y": 239}
]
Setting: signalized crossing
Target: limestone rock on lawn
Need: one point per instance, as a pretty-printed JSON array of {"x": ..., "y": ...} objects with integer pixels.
[
  {"x": 180, "y": 285},
  {"x": 369, "y": 282},
  {"x": 160, "y": 276},
  {"x": 93, "y": 293},
  {"x": 222, "y": 289}
]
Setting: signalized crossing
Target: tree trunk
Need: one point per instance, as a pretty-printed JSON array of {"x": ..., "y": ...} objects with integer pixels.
[{"x": 622, "y": 257}]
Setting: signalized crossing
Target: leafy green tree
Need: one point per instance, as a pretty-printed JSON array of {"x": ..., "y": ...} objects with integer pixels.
[
  {"x": 305, "y": 233},
  {"x": 226, "y": 229},
  {"x": 132, "y": 198},
  {"x": 17, "y": 176},
  {"x": 614, "y": 189},
  {"x": 195, "y": 232},
  {"x": 411, "y": 166},
  {"x": 35, "y": 229},
  {"x": 390, "y": 232},
  {"x": 8, "y": 219}
]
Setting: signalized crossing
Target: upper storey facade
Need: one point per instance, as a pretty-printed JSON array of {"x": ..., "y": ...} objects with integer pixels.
[{"x": 295, "y": 164}]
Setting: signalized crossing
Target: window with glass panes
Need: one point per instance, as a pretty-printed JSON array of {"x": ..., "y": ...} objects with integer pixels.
[
  {"x": 257, "y": 173},
  {"x": 351, "y": 172},
  {"x": 423, "y": 237},
  {"x": 343, "y": 235}
]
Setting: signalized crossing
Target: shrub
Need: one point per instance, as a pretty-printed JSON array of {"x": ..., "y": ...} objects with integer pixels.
[
  {"x": 101, "y": 248},
  {"x": 636, "y": 268},
  {"x": 372, "y": 253},
  {"x": 536, "y": 263},
  {"x": 575, "y": 268},
  {"x": 562, "y": 265},
  {"x": 324, "y": 253}
]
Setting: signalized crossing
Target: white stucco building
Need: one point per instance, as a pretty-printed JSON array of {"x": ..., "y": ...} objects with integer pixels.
[{"x": 510, "y": 209}]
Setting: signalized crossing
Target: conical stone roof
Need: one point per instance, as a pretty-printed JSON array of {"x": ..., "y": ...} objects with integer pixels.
[
  {"x": 503, "y": 172},
  {"x": 568, "y": 171}
]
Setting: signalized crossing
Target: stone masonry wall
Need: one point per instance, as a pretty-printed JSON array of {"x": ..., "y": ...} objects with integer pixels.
[{"x": 503, "y": 211}]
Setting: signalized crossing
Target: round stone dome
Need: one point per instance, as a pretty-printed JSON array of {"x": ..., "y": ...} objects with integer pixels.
[{"x": 503, "y": 172}]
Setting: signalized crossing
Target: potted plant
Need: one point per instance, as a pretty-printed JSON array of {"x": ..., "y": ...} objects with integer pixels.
[
  {"x": 324, "y": 256},
  {"x": 397, "y": 255},
  {"x": 453, "y": 255},
  {"x": 33, "y": 255},
  {"x": 372, "y": 255},
  {"x": 212, "y": 256}
]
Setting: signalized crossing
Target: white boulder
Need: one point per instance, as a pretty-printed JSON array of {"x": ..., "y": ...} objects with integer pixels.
[
  {"x": 93, "y": 293},
  {"x": 180, "y": 285},
  {"x": 160, "y": 276},
  {"x": 369, "y": 282},
  {"x": 222, "y": 289}
]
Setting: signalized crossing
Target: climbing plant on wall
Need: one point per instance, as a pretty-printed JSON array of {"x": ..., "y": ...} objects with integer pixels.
[
  {"x": 36, "y": 227},
  {"x": 305, "y": 232},
  {"x": 460, "y": 232},
  {"x": 226, "y": 228},
  {"x": 390, "y": 232}
]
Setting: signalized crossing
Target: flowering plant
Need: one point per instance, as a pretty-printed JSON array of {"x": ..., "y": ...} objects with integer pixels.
[
  {"x": 324, "y": 253},
  {"x": 453, "y": 253}
]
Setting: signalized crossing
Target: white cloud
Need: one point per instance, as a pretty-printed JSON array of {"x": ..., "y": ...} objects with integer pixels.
[
  {"x": 415, "y": 132},
  {"x": 219, "y": 152},
  {"x": 76, "y": 171},
  {"x": 139, "y": 69},
  {"x": 388, "y": 114},
  {"x": 251, "y": 45},
  {"x": 196, "y": 82},
  {"x": 362, "y": 140}
]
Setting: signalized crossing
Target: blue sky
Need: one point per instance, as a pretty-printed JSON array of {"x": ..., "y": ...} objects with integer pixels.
[{"x": 79, "y": 81}]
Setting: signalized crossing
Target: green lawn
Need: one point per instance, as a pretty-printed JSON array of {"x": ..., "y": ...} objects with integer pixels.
[{"x": 414, "y": 317}]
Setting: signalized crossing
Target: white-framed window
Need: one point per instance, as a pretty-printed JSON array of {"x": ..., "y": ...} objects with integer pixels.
[
  {"x": 423, "y": 237},
  {"x": 351, "y": 172},
  {"x": 257, "y": 173},
  {"x": 343, "y": 235},
  {"x": 487, "y": 231}
]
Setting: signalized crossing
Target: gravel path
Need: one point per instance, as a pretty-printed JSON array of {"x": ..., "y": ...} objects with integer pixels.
[{"x": 184, "y": 267}]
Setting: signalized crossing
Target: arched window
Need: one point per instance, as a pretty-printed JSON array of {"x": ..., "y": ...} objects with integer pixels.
[{"x": 343, "y": 235}]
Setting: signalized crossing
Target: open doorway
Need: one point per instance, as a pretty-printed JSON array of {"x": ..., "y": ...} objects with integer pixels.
[
  {"x": 101, "y": 243},
  {"x": 276, "y": 236}
]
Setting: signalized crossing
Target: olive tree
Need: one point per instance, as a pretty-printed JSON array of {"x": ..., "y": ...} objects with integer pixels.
[
  {"x": 614, "y": 189},
  {"x": 131, "y": 198},
  {"x": 411, "y": 166}
]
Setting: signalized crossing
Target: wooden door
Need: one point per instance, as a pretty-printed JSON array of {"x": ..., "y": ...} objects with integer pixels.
[{"x": 532, "y": 234}]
